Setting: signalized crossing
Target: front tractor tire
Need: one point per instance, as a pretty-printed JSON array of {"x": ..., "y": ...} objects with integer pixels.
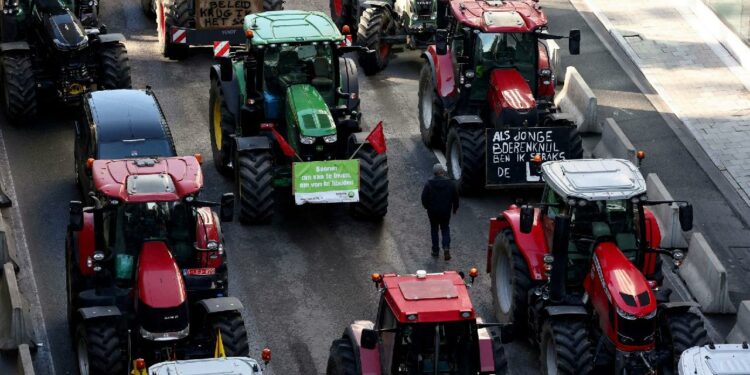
[
  {"x": 19, "y": 87},
  {"x": 99, "y": 349},
  {"x": 341, "y": 359},
  {"x": 233, "y": 333},
  {"x": 172, "y": 13},
  {"x": 430, "y": 109},
  {"x": 374, "y": 23},
  {"x": 566, "y": 348},
  {"x": 220, "y": 119},
  {"x": 373, "y": 184},
  {"x": 114, "y": 67},
  {"x": 465, "y": 157},
  {"x": 679, "y": 332},
  {"x": 255, "y": 185},
  {"x": 510, "y": 282}
]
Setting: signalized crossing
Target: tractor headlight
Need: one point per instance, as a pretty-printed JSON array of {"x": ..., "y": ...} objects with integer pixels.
[
  {"x": 212, "y": 245},
  {"x": 330, "y": 138},
  {"x": 306, "y": 140},
  {"x": 98, "y": 256},
  {"x": 545, "y": 73},
  {"x": 625, "y": 315},
  {"x": 469, "y": 74}
]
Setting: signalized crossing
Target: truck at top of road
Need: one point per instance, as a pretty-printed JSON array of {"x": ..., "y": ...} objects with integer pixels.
[
  {"x": 58, "y": 49},
  {"x": 184, "y": 23},
  {"x": 146, "y": 273},
  {"x": 486, "y": 94},
  {"x": 579, "y": 274},
  {"x": 285, "y": 110},
  {"x": 715, "y": 359},
  {"x": 426, "y": 324}
]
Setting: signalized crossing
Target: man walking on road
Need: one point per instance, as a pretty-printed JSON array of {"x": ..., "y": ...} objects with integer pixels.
[{"x": 440, "y": 199}]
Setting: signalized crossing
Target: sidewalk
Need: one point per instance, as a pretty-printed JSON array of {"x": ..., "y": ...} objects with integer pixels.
[{"x": 690, "y": 72}]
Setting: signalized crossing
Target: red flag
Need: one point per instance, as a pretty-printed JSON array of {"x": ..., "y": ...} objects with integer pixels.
[
  {"x": 377, "y": 139},
  {"x": 285, "y": 147}
]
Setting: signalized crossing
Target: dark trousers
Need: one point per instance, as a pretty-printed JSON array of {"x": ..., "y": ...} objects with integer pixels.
[{"x": 442, "y": 224}]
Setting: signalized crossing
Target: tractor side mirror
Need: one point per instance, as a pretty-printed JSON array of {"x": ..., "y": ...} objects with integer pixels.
[
  {"x": 76, "y": 216},
  {"x": 527, "y": 218},
  {"x": 225, "y": 69},
  {"x": 441, "y": 42},
  {"x": 369, "y": 339},
  {"x": 226, "y": 210},
  {"x": 574, "y": 42},
  {"x": 686, "y": 217}
]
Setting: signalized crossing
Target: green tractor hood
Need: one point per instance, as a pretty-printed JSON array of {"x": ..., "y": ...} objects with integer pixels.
[{"x": 308, "y": 112}]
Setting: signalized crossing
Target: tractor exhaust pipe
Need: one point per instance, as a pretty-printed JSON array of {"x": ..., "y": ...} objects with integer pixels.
[{"x": 560, "y": 240}]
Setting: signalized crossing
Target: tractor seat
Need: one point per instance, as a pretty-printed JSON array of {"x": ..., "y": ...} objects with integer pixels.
[
  {"x": 290, "y": 69},
  {"x": 180, "y": 235}
]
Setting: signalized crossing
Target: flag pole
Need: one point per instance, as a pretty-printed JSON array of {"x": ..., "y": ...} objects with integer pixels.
[{"x": 357, "y": 150}]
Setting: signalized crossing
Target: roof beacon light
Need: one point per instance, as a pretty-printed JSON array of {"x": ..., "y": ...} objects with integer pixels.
[
  {"x": 421, "y": 274},
  {"x": 199, "y": 157},
  {"x": 249, "y": 34},
  {"x": 140, "y": 364},
  {"x": 640, "y": 154},
  {"x": 265, "y": 355},
  {"x": 537, "y": 159},
  {"x": 345, "y": 29},
  {"x": 89, "y": 163}
]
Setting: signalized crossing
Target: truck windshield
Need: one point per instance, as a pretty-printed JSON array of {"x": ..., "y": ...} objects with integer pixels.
[
  {"x": 286, "y": 65},
  {"x": 506, "y": 50}
]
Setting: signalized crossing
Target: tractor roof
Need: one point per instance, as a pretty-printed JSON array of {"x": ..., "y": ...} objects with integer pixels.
[
  {"x": 125, "y": 114},
  {"x": 436, "y": 297},
  {"x": 291, "y": 26},
  {"x": 208, "y": 366},
  {"x": 148, "y": 180},
  {"x": 594, "y": 179},
  {"x": 520, "y": 16}
]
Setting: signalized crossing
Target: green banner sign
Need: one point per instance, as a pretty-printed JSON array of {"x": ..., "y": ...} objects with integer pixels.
[{"x": 333, "y": 181}]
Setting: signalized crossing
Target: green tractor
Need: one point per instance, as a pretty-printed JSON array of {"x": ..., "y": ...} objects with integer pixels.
[{"x": 284, "y": 112}]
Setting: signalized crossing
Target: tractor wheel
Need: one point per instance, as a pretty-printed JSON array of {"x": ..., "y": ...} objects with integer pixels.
[
  {"x": 373, "y": 184},
  {"x": 233, "y": 333},
  {"x": 565, "y": 348},
  {"x": 114, "y": 67},
  {"x": 269, "y": 5},
  {"x": 465, "y": 157},
  {"x": 255, "y": 185},
  {"x": 510, "y": 283},
  {"x": 219, "y": 119},
  {"x": 341, "y": 359},
  {"x": 679, "y": 332},
  {"x": 98, "y": 347},
  {"x": 73, "y": 279},
  {"x": 430, "y": 109},
  {"x": 172, "y": 13},
  {"x": 373, "y": 24},
  {"x": 19, "y": 87},
  {"x": 500, "y": 359}
]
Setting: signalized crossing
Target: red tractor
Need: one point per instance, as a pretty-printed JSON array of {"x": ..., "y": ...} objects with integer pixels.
[
  {"x": 579, "y": 274},
  {"x": 426, "y": 324},
  {"x": 146, "y": 268},
  {"x": 486, "y": 94}
]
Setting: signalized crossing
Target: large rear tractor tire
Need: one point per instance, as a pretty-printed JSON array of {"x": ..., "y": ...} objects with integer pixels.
[
  {"x": 99, "y": 349},
  {"x": 340, "y": 12},
  {"x": 172, "y": 13},
  {"x": 374, "y": 23},
  {"x": 430, "y": 109},
  {"x": 499, "y": 358},
  {"x": 566, "y": 348},
  {"x": 233, "y": 333},
  {"x": 269, "y": 5},
  {"x": 341, "y": 359},
  {"x": 465, "y": 158},
  {"x": 510, "y": 282},
  {"x": 220, "y": 119},
  {"x": 679, "y": 332},
  {"x": 373, "y": 184},
  {"x": 575, "y": 149},
  {"x": 256, "y": 192},
  {"x": 114, "y": 67},
  {"x": 19, "y": 87}
]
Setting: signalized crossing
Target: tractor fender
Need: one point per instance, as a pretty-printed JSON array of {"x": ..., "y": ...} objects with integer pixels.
[
  {"x": 358, "y": 138},
  {"x": 442, "y": 71},
  {"x": 653, "y": 236},
  {"x": 532, "y": 245},
  {"x": 257, "y": 142},
  {"x": 565, "y": 310},
  {"x": 230, "y": 90},
  {"x": 208, "y": 229},
  {"x": 368, "y": 360},
  {"x": 466, "y": 121},
  {"x": 111, "y": 38},
  {"x": 349, "y": 81},
  {"x": 14, "y": 46},
  {"x": 86, "y": 244},
  {"x": 86, "y": 313},
  {"x": 676, "y": 307},
  {"x": 497, "y": 224},
  {"x": 377, "y": 3},
  {"x": 220, "y": 304}
]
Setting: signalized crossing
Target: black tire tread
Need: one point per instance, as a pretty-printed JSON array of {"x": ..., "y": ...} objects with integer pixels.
[
  {"x": 114, "y": 67},
  {"x": 574, "y": 348},
  {"x": 221, "y": 157},
  {"x": 521, "y": 283},
  {"x": 176, "y": 13},
  {"x": 373, "y": 184},
  {"x": 233, "y": 333},
  {"x": 372, "y": 24},
  {"x": 20, "y": 86},
  {"x": 684, "y": 330},
  {"x": 431, "y": 135},
  {"x": 472, "y": 145},
  {"x": 341, "y": 359},
  {"x": 255, "y": 180},
  {"x": 104, "y": 347}
]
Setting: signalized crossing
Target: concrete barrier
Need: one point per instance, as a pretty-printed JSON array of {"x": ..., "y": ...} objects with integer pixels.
[
  {"x": 741, "y": 331},
  {"x": 667, "y": 216},
  {"x": 24, "y": 366},
  {"x": 577, "y": 99},
  {"x": 555, "y": 60},
  {"x": 706, "y": 277},
  {"x": 14, "y": 323},
  {"x": 614, "y": 143}
]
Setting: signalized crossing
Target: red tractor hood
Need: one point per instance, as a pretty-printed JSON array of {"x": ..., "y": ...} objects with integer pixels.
[
  {"x": 624, "y": 284},
  {"x": 508, "y": 89},
  {"x": 160, "y": 284}
]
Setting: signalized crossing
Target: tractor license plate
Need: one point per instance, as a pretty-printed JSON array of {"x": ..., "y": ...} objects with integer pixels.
[{"x": 200, "y": 271}]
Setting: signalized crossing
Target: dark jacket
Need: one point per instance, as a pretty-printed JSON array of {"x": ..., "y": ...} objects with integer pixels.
[{"x": 440, "y": 197}]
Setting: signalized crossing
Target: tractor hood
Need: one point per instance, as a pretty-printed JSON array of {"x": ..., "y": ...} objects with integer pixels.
[
  {"x": 66, "y": 32},
  {"x": 624, "y": 284},
  {"x": 308, "y": 112},
  {"x": 511, "y": 101}
]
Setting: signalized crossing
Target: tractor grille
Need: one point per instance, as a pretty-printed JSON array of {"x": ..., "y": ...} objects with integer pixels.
[{"x": 636, "y": 332}]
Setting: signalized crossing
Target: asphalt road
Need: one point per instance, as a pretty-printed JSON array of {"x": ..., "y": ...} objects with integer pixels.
[{"x": 306, "y": 276}]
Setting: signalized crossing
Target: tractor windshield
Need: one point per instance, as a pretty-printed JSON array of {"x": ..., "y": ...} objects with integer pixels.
[
  {"x": 614, "y": 218},
  {"x": 506, "y": 50},
  {"x": 444, "y": 348},
  {"x": 285, "y": 65}
]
